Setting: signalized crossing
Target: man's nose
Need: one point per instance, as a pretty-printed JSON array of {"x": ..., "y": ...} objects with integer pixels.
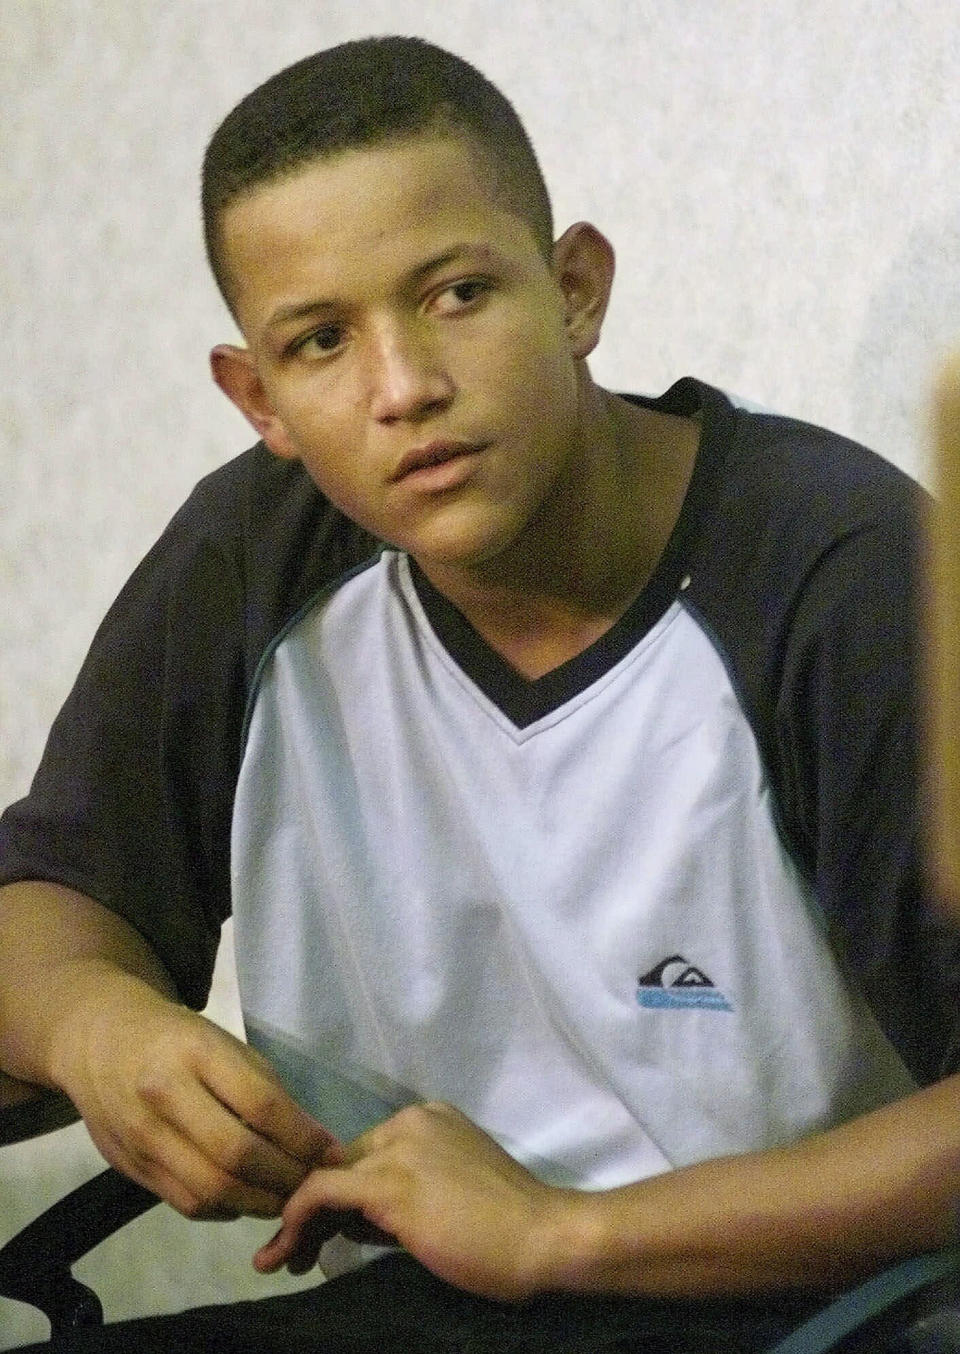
[{"x": 408, "y": 377}]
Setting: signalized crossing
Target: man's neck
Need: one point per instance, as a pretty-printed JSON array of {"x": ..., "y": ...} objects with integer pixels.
[{"x": 573, "y": 577}]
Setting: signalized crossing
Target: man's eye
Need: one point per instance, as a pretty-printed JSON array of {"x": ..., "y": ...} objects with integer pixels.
[
  {"x": 461, "y": 294},
  {"x": 470, "y": 290},
  {"x": 326, "y": 339}
]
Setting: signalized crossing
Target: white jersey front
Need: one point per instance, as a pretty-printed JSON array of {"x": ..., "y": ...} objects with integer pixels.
[{"x": 584, "y": 930}]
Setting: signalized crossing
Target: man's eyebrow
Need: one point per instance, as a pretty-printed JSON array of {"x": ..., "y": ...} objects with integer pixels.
[
  {"x": 483, "y": 252},
  {"x": 300, "y": 310}
]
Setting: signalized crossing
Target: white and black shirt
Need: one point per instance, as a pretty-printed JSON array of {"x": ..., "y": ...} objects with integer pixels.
[{"x": 661, "y": 904}]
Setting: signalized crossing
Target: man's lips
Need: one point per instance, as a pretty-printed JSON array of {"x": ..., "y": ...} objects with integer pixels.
[{"x": 434, "y": 454}]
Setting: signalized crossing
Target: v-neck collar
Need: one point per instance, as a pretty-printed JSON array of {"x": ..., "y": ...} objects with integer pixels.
[{"x": 524, "y": 700}]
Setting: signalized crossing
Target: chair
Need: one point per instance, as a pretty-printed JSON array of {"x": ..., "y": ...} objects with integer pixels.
[
  {"x": 36, "y": 1265},
  {"x": 911, "y": 1308}
]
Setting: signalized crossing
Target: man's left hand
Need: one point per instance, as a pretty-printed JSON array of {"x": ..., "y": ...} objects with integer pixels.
[{"x": 432, "y": 1181}]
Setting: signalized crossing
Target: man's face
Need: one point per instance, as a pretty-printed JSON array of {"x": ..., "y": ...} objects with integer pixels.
[{"x": 409, "y": 343}]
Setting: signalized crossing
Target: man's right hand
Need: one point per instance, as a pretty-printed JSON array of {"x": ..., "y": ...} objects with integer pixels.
[
  {"x": 168, "y": 1097},
  {"x": 184, "y": 1107}
]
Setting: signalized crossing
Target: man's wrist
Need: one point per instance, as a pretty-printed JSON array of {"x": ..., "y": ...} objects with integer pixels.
[{"x": 573, "y": 1246}]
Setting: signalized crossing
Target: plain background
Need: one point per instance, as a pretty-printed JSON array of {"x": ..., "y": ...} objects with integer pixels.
[{"x": 779, "y": 178}]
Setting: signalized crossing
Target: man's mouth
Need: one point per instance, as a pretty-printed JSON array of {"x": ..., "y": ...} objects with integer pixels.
[{"x": 433, "y": 454}]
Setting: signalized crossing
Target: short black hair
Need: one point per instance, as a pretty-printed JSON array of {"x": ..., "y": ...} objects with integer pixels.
[{"x": 364, "y": 93}]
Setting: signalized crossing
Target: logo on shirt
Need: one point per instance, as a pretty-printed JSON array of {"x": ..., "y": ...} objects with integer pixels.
[{"x": 676, "y": 984}]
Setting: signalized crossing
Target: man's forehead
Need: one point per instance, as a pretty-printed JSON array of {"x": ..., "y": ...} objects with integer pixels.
[
  {"x": 336, "y": 221},
  {"x": 365, "y": 183}
]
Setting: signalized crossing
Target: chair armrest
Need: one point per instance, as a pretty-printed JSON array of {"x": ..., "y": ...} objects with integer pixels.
[
  {"x": 35, "y": 1264},
  {"x": 889, "y": 1312},
  {"x": 26, "y": 1110}
]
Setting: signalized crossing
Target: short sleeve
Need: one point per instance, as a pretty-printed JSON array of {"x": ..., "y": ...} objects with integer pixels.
[
  {"x": 849, "y": 734},
  {"x": 132, "y": 802},
  {"x": 805, "y": 567}
]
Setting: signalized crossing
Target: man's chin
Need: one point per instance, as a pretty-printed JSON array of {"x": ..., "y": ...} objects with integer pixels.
[{"x": 465, "y": 543}]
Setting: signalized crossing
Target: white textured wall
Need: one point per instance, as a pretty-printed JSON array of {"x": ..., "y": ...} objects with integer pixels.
[{"x": 778, "y": 176}]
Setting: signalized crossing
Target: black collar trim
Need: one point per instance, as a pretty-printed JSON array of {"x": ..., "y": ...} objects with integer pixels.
[{"x": 523, "y": 700}]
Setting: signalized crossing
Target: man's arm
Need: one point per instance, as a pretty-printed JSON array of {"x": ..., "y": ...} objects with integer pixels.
[
  {"x": 823, "y": 1211},
  {"x": 177, "y": 1103}
]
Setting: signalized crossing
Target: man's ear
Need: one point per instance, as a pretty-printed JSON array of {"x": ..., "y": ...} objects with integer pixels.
[
  {"x": 236, "y": 374},
  {"x": 583, "y": 265}
]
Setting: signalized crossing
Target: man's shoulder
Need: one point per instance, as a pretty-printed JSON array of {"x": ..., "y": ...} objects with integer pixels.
[
  {"x": 252, "y": 492},
  {"x": 778, "y": 488},
  {"x": 763, "y": 456},
  {"x": 266, "y": 522},
  {"x": 800, "y": 535},
  {"x": 824, "y": 477}
]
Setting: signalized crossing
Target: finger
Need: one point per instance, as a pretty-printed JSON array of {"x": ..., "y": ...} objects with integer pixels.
[
  {"x": 249, "y": 1088},
  {"x": 175, "y": 1168},
  {"x": 229, "y": 1102},
  {"x": 238, "y": 1149},
  {"x": 280, "y": 1250},
  {"x": 158, "y": 1155},
  {"x": 303, "y": 1251},
  {"x": 324, "y": 1193}
]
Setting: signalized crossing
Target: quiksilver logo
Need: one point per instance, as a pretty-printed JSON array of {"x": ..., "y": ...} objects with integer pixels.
[{"x": 676, "y": 984}]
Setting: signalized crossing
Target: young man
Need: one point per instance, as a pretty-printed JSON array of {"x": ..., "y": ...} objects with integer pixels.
[{"x": 557, "y": 760}]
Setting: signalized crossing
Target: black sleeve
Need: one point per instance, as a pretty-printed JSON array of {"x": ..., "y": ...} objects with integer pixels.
[
  {"x": 133, "y": 799},
  {"x": 806, "y": 568},
  {"x": 849, "y": 722}
]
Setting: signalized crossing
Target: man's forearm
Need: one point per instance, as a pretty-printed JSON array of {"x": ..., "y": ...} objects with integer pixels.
[
  {"x": 822, "y": 1211},
  {"x": 178, "y": 1103},
  {"x": 819, "y": 1213},
  {"x": 56, "y": 947}
]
